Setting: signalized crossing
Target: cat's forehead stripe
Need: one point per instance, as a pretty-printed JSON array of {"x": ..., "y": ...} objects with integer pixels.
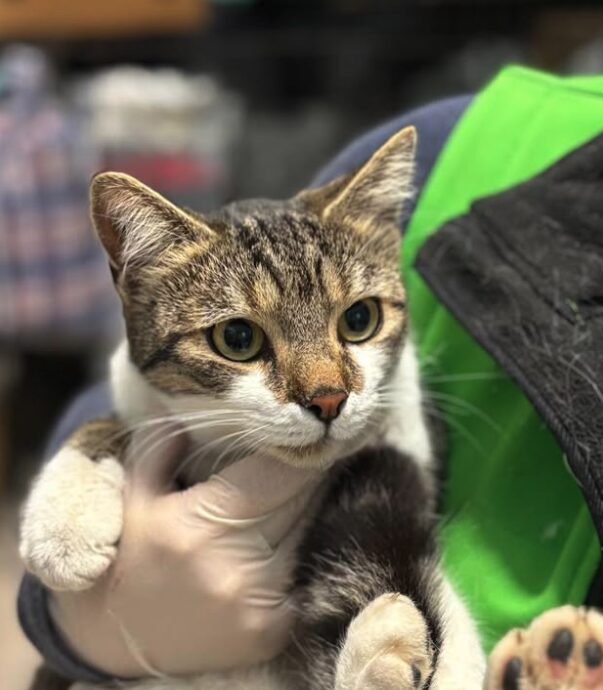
[
  {"x": 277, "y": 265},
  {"x": 280, "y": 271}
]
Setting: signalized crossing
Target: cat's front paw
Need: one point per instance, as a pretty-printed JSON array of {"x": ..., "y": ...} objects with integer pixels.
[
  {"x": 72, "y": 520},
  {"x": 561, "y": 649},
  {"x": 386, "y": 648}
]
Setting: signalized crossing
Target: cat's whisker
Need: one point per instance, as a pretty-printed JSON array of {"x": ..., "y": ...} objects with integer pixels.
[
  {"x": 246, "y": 449},
  {"x": 447, "y": 414},
  {"x": 259, "y": 443},
  {"x": 469, "y": 376},
  {"x": 180, "y": 418},
  {"x": 394, "y": 399},
  {"x": 175, "y": 418},
  {"x": 205, "y": 447},
  {"x": 147, "y": 447},
  {"x": 233, "y": 445},
  {"x": 451, "y": 405},
  {"x": 238, "y": 449},
  {"x": 468, "y": 407},
  {"x": 460, "y": 429},
  {"x": 199, "y": 454}
]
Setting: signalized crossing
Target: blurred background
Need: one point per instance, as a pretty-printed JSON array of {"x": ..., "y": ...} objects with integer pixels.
[{"x": 206, "y": 101}]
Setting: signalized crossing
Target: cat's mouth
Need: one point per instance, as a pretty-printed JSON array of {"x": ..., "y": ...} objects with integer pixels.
[
  {"x": 313, "y": 452},
  {"x": 323, "y": 451},
  {"x": 307, "y": 448},
  {"x": 311, "y": 447}
]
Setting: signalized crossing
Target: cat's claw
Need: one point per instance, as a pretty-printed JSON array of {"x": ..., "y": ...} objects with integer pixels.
[
  {"x": 386, "y": 648},
  {"x": 562, "y": 648},
  {"x": 72, "y": 520}
]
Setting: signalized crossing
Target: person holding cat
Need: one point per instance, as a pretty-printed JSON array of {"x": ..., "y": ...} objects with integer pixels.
[
  {"x": 77, "y": 633},
  {"x": 246, "y": 621}
]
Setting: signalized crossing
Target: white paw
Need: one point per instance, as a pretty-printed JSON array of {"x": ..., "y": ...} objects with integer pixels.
[
  {"x": 386, "y": 648},
  {"x": 72, "y": 520}
]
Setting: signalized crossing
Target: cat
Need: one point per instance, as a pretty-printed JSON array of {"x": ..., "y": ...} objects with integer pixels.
[{"x": 293, "y": 313}]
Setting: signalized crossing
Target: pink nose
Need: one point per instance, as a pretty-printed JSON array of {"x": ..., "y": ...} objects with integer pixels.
[{"x": 328, "y": 407}]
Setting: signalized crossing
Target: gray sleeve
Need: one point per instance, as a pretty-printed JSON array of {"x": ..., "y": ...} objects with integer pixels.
[{"x": 32, "y": 604}]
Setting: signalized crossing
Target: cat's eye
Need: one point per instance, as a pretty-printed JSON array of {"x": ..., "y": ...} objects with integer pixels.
[
  {"x": 237, "y": 339},
  {"x": 360, "y": 321}
]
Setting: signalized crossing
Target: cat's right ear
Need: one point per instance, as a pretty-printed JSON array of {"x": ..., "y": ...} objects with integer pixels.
[{"x": 136, "y": 225}]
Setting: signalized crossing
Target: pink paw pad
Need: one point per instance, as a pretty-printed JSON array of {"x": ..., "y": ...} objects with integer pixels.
[{"x": 561, "y": 650}]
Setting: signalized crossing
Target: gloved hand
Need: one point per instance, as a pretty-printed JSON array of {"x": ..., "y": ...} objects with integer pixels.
[{"x": 200, "y": 580}]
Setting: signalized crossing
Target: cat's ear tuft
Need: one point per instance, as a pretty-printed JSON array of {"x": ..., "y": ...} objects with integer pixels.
[
  {"x": 374, "y": 195},
  {"x": 136, "y": 224}
]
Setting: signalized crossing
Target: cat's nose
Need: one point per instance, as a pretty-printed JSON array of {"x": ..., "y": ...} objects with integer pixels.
[{"x": 327, "y": 407}]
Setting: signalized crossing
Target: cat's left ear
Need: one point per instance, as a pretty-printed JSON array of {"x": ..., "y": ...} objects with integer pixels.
[{"x": 373, "y": 195}]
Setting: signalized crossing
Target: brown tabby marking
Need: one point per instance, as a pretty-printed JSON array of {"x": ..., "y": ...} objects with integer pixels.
[
  {"x": 100, "y": 438},
  {"x": 279, "y": 265}
]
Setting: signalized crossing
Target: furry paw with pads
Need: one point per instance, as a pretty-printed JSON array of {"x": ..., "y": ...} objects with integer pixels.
[
  {"x": 562, "y": 648},
  {"x": 386, "y": 648},
  {"x": 72, "y": 520}
]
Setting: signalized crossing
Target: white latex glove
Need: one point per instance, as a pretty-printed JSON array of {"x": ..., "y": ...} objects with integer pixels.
[{"x": 200, "y": 579}]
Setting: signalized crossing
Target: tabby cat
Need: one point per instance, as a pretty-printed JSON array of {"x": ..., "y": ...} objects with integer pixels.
[{"x": 292, "y": 313}]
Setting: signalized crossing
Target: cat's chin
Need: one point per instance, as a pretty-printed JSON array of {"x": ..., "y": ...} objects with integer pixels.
[{"x": 319, "y": 455}]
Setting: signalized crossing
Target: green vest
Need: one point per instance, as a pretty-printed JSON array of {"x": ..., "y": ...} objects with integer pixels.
[{"x": 516, "y": 534}]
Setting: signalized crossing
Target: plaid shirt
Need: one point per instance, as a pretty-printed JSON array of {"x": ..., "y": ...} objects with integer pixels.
[{"x": 54, "y": 280}]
